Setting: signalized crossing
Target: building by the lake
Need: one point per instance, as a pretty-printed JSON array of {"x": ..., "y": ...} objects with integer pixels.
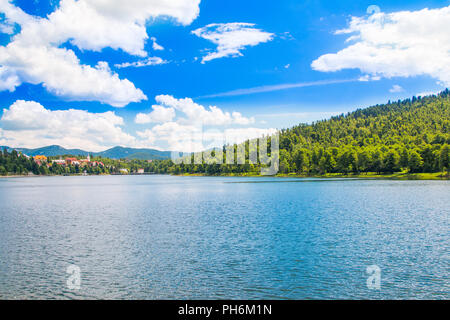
[{"x": 72, "y": 161}]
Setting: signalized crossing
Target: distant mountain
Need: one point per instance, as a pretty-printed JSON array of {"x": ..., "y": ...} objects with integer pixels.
[
  {"x": 49, "y": 151},
  {"x": 132, "y": 153},
  {"x": 113, "y": 153}
]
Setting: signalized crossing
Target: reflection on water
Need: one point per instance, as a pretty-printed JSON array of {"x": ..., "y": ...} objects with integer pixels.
[{"x": 154, "y": 237}]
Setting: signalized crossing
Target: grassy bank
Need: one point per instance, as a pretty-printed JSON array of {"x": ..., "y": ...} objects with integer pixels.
[{"x": 393, "y": 176}]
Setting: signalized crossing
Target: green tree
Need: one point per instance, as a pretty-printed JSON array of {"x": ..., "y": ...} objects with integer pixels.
[
  {"x": 404, "y": 158},
  {"x": 327, "y": 162},
  {"x": 391, "y": 161},
  {"x": 444, "y": 158},
  {"x": 415, "y": 161},
  {"x": 300, "y": 159},
  {"x": 364, "y": 161},
  {"x": 377, "y": 161}
]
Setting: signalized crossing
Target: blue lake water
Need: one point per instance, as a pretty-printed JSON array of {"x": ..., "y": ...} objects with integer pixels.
[{"x": 164, "y": 237}]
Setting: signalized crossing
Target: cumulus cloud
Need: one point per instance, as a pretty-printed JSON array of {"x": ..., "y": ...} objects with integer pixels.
[
  {"x": 399, "y": 44},
  {"x": 152, "y": 61},
  {"x": 175, "y": 136},
  {"x": 29, "y": 124},
  {"x": 159, "y": 114},
  {"x": 61, "y": 73},
  {"x": 194, "y": 112},
  {"x": 195, "y": 138},
  {"x": 8, "y": 79},
  {"x": 13, "y": 14},
  {"x": 35, "y": 56},
  {"x": 231, "y": 38},
  {"x": 96, "y": 24},
  {"x": 184, "y": 125}
]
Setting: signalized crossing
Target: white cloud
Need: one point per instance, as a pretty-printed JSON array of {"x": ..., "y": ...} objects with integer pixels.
[
  {"x": 35, "y": 56},
  {"x": 231, "y": 38},
  {"x": 29, "y": 124},
  {"x": 6, "y": 27},
  {"x": 176, "y": 137},
  {"x": 194, "y": 138},
  {"x": 96, "y": 24},
  {"x": 187, "y": 126},
  {"x": 367, "y": 77},
  {"x": 396, "y": 88},
  {"x": 8, "y": 79},
  {"x": 155, "y": 45},
  {"x": 238, "y": 135},
  {"x": 60, "y": 72},
  {"x": 399, "y": 44},
  {"x": 183, "y": 11},
  {"x": 159, "y": 114},
  {"x": 13, "y": 14},
  {"x": 152, "y": 61},
  {"x": 196, "y": 113}
]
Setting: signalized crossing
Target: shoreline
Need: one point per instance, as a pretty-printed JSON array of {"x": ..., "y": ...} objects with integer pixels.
[
  {"x": 394, "y": 176},
  {"x": 371, "y": 176}
]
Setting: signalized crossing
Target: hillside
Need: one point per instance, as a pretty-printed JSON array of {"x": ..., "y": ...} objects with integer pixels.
[
  {"x": 132, "y": 153},
  {"x": 410, "y": 135},
  {"x": 113, "y": 153},
  {"x": 49, "y": 151}
]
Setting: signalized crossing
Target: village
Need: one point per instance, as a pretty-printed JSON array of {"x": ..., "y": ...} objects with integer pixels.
[
  {"x": 15, "y": 162},
  {"x": 42, "y": 160}
]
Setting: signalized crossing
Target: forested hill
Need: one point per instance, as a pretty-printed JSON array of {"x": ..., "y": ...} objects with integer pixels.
[{"x": 410, "y": 135}]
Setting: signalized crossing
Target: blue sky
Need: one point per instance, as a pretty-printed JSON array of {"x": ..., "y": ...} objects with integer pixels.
[{"x": 288, "y": 36}]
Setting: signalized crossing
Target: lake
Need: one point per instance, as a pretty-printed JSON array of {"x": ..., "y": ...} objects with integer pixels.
[{"x": 167, "y": 237}]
